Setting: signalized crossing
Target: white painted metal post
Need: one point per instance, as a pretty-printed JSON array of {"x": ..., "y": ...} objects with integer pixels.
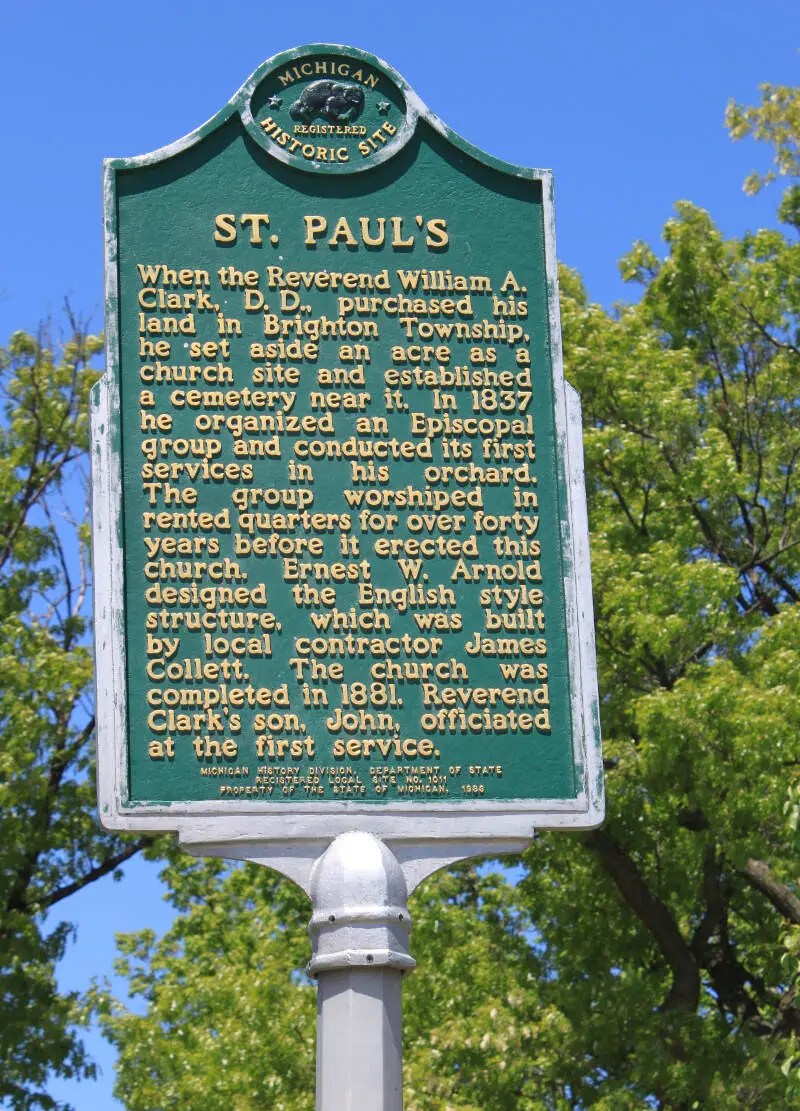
[{"x": 359, "y": 932}]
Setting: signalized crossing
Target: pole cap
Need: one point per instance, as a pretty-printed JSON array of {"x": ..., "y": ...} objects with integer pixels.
[{"x": 360, "y": 907}]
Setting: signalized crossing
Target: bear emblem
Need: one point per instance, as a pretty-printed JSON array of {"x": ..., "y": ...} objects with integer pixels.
[{"x": 333, "y": 100}]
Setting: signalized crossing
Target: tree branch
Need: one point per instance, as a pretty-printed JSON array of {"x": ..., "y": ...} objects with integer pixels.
[
  {"x": 760, "y": 876},
  {"x": 95, "y": 873},
  {"x": 684, "y": 994},
  {"x": 781, "y": 346}
]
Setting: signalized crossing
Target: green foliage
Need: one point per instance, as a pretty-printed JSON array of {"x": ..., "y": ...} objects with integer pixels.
[
  {"x": 775, "y": 120},
  {"x": 230, "y": 1018},
  {"x": 50, "y": 843},
  {"x": 678, "y": 907},
  {"x": 230, "y": 1022},
  {"x": 479, "y": 1028},
  {"x": 666, "y": 930}
]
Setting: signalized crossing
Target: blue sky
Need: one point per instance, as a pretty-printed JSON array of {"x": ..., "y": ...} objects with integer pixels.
[{"x": 623, "y": 100}]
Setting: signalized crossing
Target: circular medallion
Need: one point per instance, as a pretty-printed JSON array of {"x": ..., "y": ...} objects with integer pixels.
[{"x": 326, "y": 109}]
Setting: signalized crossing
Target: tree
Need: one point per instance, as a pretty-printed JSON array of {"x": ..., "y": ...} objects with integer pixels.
[
  {"x": 230, "y": 1021},
  {"x": 653, "y": 962},
  {"x": 692, "y": 444},
  {"x": 692, "y": 438},
  {"x": 775, "y": 120},
  {"x": 50, "y": 841},
  {"x": 230, "y": 1018}
]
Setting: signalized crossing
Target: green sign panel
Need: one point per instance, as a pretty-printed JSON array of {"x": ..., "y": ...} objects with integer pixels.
[{"x": 339, "y": 525}]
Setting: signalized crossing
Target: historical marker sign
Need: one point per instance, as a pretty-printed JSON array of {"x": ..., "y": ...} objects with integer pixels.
[{"x": 340, "y": 536}]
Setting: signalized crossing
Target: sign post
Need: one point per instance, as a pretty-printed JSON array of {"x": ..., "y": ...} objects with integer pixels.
[
  {"x": 342, "y": 599},
  {"x": 359, "y": 932}
]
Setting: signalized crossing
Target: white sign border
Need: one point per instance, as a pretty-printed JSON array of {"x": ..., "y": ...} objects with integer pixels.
[{"x": 239, "y": 820}]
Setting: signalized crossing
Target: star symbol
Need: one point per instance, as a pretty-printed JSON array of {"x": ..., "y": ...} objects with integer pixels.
[
  {"x": 274, "y": 102},
  {"x": 383, "y": 107}
]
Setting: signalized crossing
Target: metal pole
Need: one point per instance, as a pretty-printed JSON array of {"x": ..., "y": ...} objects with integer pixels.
[{"x": 359, "y": 932}]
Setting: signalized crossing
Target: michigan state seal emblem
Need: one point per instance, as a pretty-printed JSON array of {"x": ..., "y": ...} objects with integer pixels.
[{"x": 329, "y": 109}]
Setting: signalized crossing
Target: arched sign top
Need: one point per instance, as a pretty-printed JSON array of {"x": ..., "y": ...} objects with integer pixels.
[{"x": 352, "y": 107}]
